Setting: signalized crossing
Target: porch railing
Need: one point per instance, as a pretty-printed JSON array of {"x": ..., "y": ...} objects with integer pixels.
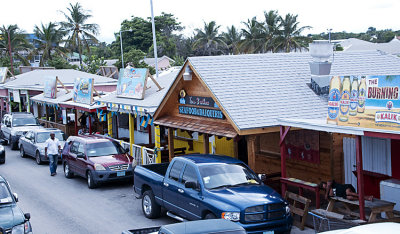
[{"x": 142, "y": 155}]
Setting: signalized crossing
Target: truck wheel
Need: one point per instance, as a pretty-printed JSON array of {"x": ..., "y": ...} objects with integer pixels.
[
  {"x": 210, "y": 216},
  {"x": 149, "y": 206}
]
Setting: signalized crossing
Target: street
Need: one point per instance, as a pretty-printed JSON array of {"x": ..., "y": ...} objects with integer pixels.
[{"x": 61, "y": 205}]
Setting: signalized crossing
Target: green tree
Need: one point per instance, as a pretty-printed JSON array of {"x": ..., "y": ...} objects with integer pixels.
[
  {"x": 59, "y": 62},
  {"x": 291, "y": 38},
  {"x": 271, "y": 30},
  {"x": 253, "y": 37},
  {"x": 48, "y": 41},
  {"x": 232, "y": 39},
  {"x": 207, "y": 40},
  {"x": 17, "y": 44},
  {"x": 78, "y": 31},
  {"x": 93, "y": 64}
]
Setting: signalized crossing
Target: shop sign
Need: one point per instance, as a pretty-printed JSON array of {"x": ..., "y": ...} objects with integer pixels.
[
  {"x": 198, "y": 101},
  {"x": 202, "y": 112},
  {"x": 3, "y": 74},
  {"x": 50, "y": 87},
  {"x": 16, "y": 95},
  {"x": 83, "y": 90},
  {"x": 132, "y": 83},
  {"x": 365, "y": 101}
]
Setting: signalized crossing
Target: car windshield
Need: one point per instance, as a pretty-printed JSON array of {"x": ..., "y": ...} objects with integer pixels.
[
  {"x": 5, "y": 195},
  {"x": 43, "y": 136},
  {"x": 226, "y": 175},
  {"x": 27, "y": 121},
  {"x": 104, "y": 148}
]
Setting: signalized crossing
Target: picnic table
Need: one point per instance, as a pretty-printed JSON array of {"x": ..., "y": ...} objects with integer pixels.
[
  {"x": 376, "y": 205},
  {"x": 301, "y": 184}
]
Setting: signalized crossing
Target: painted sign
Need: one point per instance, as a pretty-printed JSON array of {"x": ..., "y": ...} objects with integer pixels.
[
  {"x": 3, "y": 74},
  {"x": 198, "y": 101},
  {"x": 303, "y": 145},
  {"x": 16, "y": 96},
  {"x": 365, "y": 101},
  {"x": 132, "y": 83},
  {"x": 50, "y": 87},
  {"x": 202, "y": 112},
  {"x": 83, "y": 90}
]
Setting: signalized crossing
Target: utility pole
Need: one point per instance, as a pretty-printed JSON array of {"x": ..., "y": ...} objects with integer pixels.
[
  {"x": 154, "y": 37},
  {"x": 329, "y": 33},
  {"x": 122, "y": 51},
  {"x": 9, "y": 50}
]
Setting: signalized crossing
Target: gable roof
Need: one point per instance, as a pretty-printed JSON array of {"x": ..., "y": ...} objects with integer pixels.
[
  {"x": 34, "y": 80},
  {"x": 354, "y": 44},
  {"x": 151, "y": 61},
  {"x": 257, "y": 89}
]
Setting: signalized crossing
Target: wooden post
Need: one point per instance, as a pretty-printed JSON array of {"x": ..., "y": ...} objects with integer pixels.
[
  {"x": 28, "y": 102},
  {"x": 2, "y": 106},
  {"x": 90, "y": 123},
  {"x": 158, "y": 142},
  {"x": 109, "y": 124},
  {"x": 206, "y": 143},
  {"x": 55, "y": 114},
  {"x": 171, "y": 143},
  {"x": 47, "y": 113},
  {"x": 360, "y": 177},
  {"x": 251, "y": 151},
  {"x": 20, "y": 105},
  {"x": 149, "y": 133},
  {"x": 131, "y": 132},
  {"x": 76, "y": 121},
  {"x": 283, "y": 133}
]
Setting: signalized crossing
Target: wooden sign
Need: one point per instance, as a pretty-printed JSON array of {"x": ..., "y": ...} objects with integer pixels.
[
  {"x": 3, "y": 74},
  {"x": 50, "y": 87},
  {"x": 132, "y": 82},
  {"x": 198, "y": 101},
  {"x": 202, "y": 112},
  {"x": 83, "y": 90}
]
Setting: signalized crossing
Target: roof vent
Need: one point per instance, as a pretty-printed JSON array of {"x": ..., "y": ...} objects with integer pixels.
[{"x": 321, "y": 51}]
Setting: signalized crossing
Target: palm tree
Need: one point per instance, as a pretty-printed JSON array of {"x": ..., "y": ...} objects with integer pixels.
[
  {"x": 48, "y": 40},
  {"x": 254, "y": 37},
  {"x": 208, "y": 39},
  {"x": 79, "y": 33},
  {"x": 271, "y": 29},
  {"x": 13, "y": 40},
  {"x": 232, "y": 39},
  {"x": 290, "y": 38}
]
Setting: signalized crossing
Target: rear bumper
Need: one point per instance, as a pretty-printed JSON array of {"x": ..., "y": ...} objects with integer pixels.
[
  {"x": 104, "y": 176},
  {"x": 282, "y": 225}
]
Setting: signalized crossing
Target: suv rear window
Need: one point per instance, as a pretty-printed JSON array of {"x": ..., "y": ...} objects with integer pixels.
[{"x": 26, "y": 121}]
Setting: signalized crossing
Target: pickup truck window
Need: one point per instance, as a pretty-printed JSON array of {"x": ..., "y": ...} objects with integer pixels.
[
  {"x": 189, "y": 174},
  {"x": 176, "y": 170},
  {"x": 226, "y": 175}
]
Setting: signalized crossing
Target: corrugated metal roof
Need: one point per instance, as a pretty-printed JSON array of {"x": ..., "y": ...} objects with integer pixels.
[
  {"x": 61, "y": 96},
  {"x": 152, "y": 96},
  {"x": 34, "y": 80},
  {"x": 256, "y": 89}
]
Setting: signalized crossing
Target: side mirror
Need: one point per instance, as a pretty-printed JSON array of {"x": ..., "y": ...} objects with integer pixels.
[
  {"x": 15, "y": 197},
  {"x": 3, "y": 142},
  {"x": 8, "y": 125},
  {"x": 191, "y": 184},
  {"x": 42, "y": 124},
  {"x": 80, "y": 155},
  {"x": 27, "y": 216}
]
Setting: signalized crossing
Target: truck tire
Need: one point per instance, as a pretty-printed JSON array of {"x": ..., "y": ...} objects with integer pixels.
[{"x": 149, "y": 206}]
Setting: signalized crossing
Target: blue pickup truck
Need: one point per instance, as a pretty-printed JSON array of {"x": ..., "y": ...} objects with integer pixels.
[{"x": 195, "y": 187}]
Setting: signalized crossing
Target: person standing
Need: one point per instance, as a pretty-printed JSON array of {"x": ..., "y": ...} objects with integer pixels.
[{"x": 52, "y": 149}]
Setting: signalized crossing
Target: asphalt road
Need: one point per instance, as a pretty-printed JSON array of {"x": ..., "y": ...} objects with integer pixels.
[{"x": 61, "y": 205}]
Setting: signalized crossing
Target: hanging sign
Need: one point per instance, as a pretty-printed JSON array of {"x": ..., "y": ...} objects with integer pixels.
[
  {"x": 365, "y": 101},
  {"x": 203, "y": 112},
  {"x": 198, "y": 101},
  {"x": 132, "y": 83},
  {"x": 190, "y": 103},
  {"x": 3, "y": 74},
  {"x": 83, "y": 90},
  {"x": 16, "y": 96},
  {"x": 50, "y": 87}
]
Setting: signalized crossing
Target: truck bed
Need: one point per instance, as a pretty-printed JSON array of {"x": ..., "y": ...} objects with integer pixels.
[{"x": 160, "y": 168}]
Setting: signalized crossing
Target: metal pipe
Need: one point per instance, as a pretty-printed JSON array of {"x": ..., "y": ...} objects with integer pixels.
[
  {"x": 154, "y": 37},
  {"x": 122, "y": 51}
]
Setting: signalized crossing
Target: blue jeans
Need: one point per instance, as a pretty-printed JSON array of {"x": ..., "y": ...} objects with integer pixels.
[{"x": 53, "y": 158}]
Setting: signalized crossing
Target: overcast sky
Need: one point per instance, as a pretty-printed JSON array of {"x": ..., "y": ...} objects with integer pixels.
[{"x": 339, "y": 15}]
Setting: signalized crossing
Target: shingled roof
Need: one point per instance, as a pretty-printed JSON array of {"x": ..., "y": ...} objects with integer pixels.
[{"x": 257, "y": 89}]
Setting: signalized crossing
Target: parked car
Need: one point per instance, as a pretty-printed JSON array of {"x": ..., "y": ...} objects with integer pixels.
[
  {"x": 15, "y": 124},
  {"x": 210, "y": 226},
  {"x": 2, "y": 151},
  {"x": 387, "y": 228},
  {"x": 96, "y": 158},
  {"x": 33, "y": 143},
  {"x": 12, "y": 219},
  {"x": 194, "y": 187}
]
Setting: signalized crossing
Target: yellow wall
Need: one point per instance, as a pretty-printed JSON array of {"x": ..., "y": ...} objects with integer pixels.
[{"x": 223, "y": 146}]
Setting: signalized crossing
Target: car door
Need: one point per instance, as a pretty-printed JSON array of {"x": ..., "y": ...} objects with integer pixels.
[
  {"x": 189, "y": 199},
  {"x": 25, "y": 141},
  {"x": 6, "y": 127},
  {"x": 171, "y": 185},
  {"x": 72, "y": 156},
  {"x": 81, "y": 162},
  {"x": 30, "y": 143}
]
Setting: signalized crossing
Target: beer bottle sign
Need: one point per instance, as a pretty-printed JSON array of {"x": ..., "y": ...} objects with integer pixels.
[
  {"x": 345, "y": 100},
  {"x": 362, "y": 93},
  {"x": 333, "y": 100},
  {"x": 354, "y": 97}
]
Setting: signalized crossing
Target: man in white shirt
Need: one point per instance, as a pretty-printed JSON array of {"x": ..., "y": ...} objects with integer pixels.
[{"x": 53, "y": 147}]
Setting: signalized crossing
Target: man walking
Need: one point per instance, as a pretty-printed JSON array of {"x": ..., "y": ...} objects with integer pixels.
[{"x": 53, "y": 147}]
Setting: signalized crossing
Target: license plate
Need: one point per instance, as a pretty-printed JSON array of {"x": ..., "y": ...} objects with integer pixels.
[
  {"x": 268, "y": 232},
  {"x": 120, "y": 173}
]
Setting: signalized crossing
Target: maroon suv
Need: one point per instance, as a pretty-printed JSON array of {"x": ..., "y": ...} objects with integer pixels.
[{"x": 96, "y": 158}]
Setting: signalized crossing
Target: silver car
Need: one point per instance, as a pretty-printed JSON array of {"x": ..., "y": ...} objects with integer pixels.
[{"x": 33, "y": 143}]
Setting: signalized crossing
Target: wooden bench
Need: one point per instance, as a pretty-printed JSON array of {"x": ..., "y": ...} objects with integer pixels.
[
  {"x": 377, "y": 206},
  {"x": 301, "y": 184},
  {"x": 296, "y": 210}
]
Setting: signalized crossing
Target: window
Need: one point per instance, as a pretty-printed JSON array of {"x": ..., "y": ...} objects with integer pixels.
[
  {"x": 43, "y": 136},
  {"x": 74, "y": 147},
  {"x": 29, "y": 136},
  {"x": 81, "y": 149},
  {"x": 189, "y": 174},
  {"x": 176, "y": 170},
  {"x": 5, "y": 196},
  {"x": 27, "y": 121}
]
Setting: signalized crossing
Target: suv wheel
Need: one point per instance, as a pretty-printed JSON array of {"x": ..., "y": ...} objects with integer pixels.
[
  {"x": 22, "y": 152},
  {"x": 38, "y": 159},
  {"x": 90, "y": 180},
  {"x": 67, "y": 172}
]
